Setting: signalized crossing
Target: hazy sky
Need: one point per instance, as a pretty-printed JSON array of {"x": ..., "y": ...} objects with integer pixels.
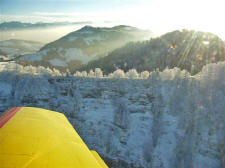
[
  {"x": 157, "y": 15},
  {"x": 30, "y": 6}
]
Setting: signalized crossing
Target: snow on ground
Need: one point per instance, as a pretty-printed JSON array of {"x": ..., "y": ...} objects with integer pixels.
[
  {"x": 5, "y": 89},
  {"x": 162, "y": 122},
  {"x": 205, "y": 42}
]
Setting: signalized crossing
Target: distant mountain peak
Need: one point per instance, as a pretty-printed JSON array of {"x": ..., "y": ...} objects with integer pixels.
[
  {"x": 124, "y": 27},
  {"x": 87, "y": 27},
  {"x": 84, "y": 45},
  {"x": 115, "y": 28},
  {"x": 20, "y": 25}
]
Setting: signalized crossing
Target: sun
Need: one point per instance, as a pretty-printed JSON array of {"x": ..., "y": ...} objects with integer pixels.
[{"x": 168, "y": 15}]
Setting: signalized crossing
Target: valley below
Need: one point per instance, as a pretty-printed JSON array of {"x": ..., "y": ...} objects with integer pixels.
[{"x": 170, "y": 120}]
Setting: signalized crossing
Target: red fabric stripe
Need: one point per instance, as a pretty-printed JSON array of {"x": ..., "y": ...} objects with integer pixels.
[{"x": 5, "y": 117}]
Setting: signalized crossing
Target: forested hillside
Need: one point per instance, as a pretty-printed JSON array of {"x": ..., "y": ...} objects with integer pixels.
[
  {"x": 189, "y": 50},
  {"x": 86, "y": 44}
]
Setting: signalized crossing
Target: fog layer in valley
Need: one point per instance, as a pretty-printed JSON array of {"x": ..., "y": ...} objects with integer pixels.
[{"x": 43, "y": 35}]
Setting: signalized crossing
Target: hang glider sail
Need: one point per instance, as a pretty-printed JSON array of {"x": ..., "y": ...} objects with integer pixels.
[{"x": 38, "y": 138}]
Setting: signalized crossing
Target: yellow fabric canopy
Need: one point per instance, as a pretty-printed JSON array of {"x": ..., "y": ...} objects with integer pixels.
[{"x": 38, "y": 138}]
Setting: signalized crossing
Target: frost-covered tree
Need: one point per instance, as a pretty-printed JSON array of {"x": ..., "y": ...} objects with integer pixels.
[
  {"x": 184, "y": 114},
  {"x": 84, "y": 74},
  {"x": 91, "y": 74},
  {"x": 132, "y": 74},
  {"x": 56, "y": 72},
  {"x": 43, "y": 71},
  {"x": 121, "y": 115},
  {"x": 1, "y": 68},
  {"x": 10, "y": 66},
  {"x": 78, "y": 74},
  {"x": 118, "y": 74},
  {"x": 68, "y": 72},
  {"x": 30, "y": 70},
  {"x": 98, "y": 73},
  {"x": 144, "y": 75}
]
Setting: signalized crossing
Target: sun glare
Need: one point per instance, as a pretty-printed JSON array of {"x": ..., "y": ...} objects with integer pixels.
[{"x": 166, "y": 16}]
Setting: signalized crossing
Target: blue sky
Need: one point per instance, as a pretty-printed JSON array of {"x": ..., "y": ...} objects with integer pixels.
[
  {"x": 24, "y": 7},
  {"x": 157, "y": 15}
]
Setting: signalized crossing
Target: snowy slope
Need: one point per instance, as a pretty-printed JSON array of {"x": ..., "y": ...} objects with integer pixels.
[
  {"x": 84, "y": 45},
  {"x": 170, "y": 120}
]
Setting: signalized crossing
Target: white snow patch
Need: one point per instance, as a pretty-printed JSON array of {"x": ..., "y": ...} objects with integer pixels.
[{"x": 205, "y": 42}]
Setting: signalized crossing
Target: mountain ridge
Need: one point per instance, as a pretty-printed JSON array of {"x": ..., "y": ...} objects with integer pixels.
[
  {"x": 86, "y": 44},
  {"x": 185, "y": 49},
  {"x": 13, "y": 25}
]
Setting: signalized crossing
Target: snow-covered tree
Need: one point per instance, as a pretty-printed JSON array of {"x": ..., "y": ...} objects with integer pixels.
[
  {"x": 42, "y": 70},
  {"x": 98, "y": 73},
  {"x": 144, "y": 75},
  {"x": 68, "y": 72},
  {"x": 118, "y": 74},
  {"x": 172, "y": 110},
  {"x": 1, "y": 68},
  {"x": 132, "y": 74},
  {"x": 78, "y": 74},
  {"x": 30, "y": 70},
  {"x": 110, "y": 75},
  {"x": 91, "y": 74},
  {"x": 56, "y": 72},
  {"x": 84, "y": 74}
]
